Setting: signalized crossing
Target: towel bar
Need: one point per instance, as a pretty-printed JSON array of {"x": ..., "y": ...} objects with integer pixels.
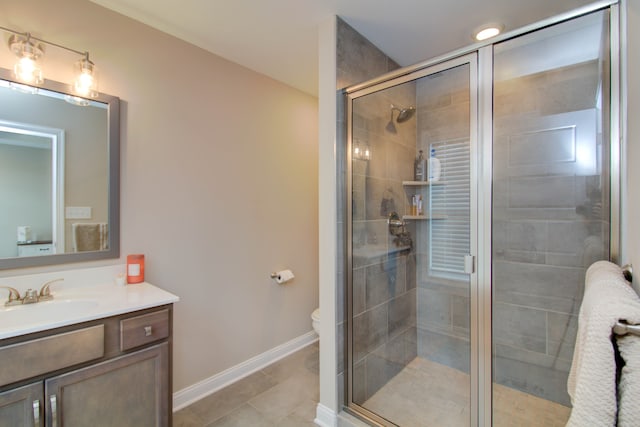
[
  {"x": 623, "y": 328},
  {"x": 627, "y": 272}
]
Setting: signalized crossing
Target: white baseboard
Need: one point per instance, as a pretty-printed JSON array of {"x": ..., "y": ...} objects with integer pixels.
[
  {"x": 197, "y": 391},
  {"x": 325, "y": 417}
]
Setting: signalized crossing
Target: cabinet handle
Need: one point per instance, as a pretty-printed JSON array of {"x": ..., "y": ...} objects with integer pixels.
[
  {"x": 148, "y": 331},
  {"x": 36, "y": 413},
  {"x": 54, "y": 411}
]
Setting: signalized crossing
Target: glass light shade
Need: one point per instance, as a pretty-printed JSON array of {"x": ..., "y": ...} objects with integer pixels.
[
  {"x": 76, "y": 100},
  {"x": 361, "y": 151},
  {"x": 27, "y": 69},
  {"x": 86, "y": 83}
]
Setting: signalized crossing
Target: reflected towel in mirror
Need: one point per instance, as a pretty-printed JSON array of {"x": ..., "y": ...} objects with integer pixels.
[{"x": 90, "y": 236}]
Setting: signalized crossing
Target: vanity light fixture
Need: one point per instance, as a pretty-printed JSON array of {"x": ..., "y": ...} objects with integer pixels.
[
  {"x": 27, "y": 70},
  {"x": 86, "y": 77},
  {"x": 487, "y": 31},
  {"x": 361, "y": 151},
  {"x": 29, "y": 52}
]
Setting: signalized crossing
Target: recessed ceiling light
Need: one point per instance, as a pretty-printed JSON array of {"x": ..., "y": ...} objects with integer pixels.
[{"x": 487, "y": 32}]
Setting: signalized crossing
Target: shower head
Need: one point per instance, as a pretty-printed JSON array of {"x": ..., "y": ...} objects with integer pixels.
[
  {"x": 391, "y": 128},
  {"x": 404, "y": 114}
]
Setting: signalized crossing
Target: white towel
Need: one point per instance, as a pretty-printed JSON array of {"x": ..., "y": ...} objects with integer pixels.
[
  {"x": 629, "y": 387},
  {"x": 90, "y": 236},
  {"x": 592, "y": 385}
]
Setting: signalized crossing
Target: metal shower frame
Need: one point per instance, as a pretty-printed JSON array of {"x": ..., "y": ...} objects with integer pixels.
[{"x": 480, "y": 58}]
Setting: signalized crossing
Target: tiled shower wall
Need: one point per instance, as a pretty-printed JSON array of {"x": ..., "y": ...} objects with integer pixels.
[
  {"x": 384, "y": 285},
  {"x": 549, "y": 224},
  {"x": 384, "y": 280},
  {"x": 443, "y": 299},
  {"x": 547, "y": 228}
]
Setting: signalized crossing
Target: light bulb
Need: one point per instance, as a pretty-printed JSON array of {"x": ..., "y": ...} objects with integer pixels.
[
  {"x": 86, "y": 80},
  {"x": 84, "y": 83},
  {"x": 487, "y": 33},
  {"x": 27, "y": 69}
]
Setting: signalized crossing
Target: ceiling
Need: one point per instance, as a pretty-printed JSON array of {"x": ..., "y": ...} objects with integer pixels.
[{"x": 279, "y": 38}]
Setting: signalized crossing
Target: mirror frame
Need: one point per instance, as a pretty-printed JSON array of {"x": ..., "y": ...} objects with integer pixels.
[{"x": 113, "y": 118}]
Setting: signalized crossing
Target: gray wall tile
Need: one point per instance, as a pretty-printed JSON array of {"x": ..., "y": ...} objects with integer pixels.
[
  {"x": 445, "y": 349},
  {"x": 402, "y": 313},
  {"x": 369, "y": 331},
  {"x": 520, "y": 327}
]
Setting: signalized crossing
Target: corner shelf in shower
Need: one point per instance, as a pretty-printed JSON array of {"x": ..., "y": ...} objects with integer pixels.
[
  {"x": 424, "y": 217},
  {"x": 416, "y": 184}
]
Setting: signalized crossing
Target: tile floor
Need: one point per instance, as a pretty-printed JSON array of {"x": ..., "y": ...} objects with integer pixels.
[
  {"x": 283, "y": 394},
  {"x": 425, "y": 393}
]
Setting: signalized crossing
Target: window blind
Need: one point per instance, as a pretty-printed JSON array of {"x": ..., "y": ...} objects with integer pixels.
[{"x": 450, "y": 236}]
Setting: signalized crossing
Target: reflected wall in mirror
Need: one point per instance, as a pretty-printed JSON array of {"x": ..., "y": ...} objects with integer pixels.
[{"x": 59, "y": 175}]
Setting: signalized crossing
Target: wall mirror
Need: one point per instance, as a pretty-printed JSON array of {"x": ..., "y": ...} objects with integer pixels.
[{"x": 59, "y": 175}]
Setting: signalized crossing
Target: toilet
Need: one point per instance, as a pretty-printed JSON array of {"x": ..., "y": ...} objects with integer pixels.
[{"x": 315, "y": 320}]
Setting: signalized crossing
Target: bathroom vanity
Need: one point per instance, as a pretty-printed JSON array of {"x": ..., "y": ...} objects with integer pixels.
[{"x": 97, "y": 362}]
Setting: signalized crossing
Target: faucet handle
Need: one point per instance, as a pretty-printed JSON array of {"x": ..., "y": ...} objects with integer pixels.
[
  {"x": 14, "y": 296},
  {"x": 30, "y": 296},
  {"x": 45, "y": 292}
]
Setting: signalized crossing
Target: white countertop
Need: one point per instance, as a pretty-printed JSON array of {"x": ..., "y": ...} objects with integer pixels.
[{"x": 80, "y": 304}]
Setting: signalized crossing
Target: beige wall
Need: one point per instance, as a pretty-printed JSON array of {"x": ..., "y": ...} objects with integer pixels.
[{"x": 219, "y": 181}]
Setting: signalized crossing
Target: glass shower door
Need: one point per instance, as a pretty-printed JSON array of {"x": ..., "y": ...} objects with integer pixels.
[
  {"x": 550, "y": 210},
  {"x": 409, "y": 235}
]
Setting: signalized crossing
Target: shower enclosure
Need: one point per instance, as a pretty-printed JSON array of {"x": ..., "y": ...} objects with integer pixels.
[{"x": 464, "y": 283}]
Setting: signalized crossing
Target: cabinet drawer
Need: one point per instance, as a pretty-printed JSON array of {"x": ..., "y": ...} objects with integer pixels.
[
  {"x": 140, "y": 330},
  {"x": 39, "y": 356}
]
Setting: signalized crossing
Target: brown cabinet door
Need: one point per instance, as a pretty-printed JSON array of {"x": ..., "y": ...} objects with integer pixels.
[
  {"x": 22, "y": 406},
  {"x": 131, "y": 390}
]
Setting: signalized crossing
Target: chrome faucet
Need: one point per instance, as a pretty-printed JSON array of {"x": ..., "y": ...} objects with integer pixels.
[{"x": 31, "y": 296}]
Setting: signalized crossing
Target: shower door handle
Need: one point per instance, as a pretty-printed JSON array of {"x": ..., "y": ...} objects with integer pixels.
[{"x": 469, "y": 264}]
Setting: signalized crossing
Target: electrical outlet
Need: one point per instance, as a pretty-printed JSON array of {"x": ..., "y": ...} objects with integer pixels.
[{"x": 77, "y": 212}]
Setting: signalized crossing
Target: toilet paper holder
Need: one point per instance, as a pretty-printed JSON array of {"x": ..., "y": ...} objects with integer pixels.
[{"x": 282, "y": 276}]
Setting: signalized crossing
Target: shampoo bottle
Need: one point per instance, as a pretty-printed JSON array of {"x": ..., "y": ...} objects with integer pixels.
[
  {"x": 420, "y": 168},
  {"x": 434, "y": 166}
]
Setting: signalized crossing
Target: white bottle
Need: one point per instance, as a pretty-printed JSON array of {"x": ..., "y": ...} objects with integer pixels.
[
  {"x": 434, "y": 166},
  {"x": 420, "y": 168}
]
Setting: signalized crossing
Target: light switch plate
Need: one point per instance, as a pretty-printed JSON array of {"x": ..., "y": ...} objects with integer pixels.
[{"x": 77, "y": 212}]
